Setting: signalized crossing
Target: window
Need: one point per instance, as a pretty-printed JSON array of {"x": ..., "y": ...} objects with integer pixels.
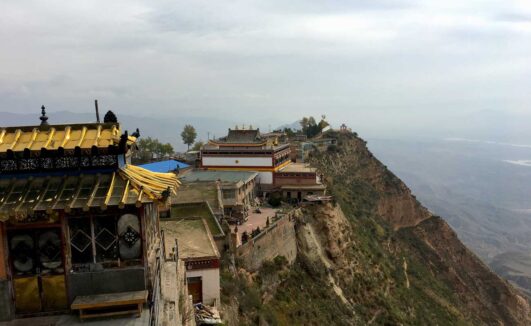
[
  {"x": 107, "y": 240},
  {"x": 229, "y": 194}
]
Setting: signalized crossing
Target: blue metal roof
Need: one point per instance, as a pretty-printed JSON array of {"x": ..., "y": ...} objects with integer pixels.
[{"x": 164, "y": 166}]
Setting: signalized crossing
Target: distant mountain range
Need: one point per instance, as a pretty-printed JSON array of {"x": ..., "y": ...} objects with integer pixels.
[{"x": 478, "y": 189}]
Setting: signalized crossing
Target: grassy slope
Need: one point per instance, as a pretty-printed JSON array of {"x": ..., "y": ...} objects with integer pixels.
[{"x": 377, "y": 287}]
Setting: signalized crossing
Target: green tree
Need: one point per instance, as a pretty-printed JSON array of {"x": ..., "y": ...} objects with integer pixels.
[
  {"x": 164, "y": 150},
  {"x": 323, "y": 123},
  {"x": 304, "y": 124},
  {"x": 311, "y": 128},
  {"x": 197, "y": 146},
  {"x": 151, "y": 148},
  {"x": 189, "y": 134}
]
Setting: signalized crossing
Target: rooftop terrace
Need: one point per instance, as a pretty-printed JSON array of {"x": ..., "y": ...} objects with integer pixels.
[
  {"x": 224, "y": 176},
  {"x": 197, "y": 210},
  {"x": 194, "y": 238}
]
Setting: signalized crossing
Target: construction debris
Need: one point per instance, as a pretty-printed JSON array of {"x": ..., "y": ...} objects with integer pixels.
[{"x": 206, "y": 315}]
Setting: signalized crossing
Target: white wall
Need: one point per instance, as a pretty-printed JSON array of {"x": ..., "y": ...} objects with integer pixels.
[
  {"x": 210, "y": 279},
  {"x": 238, "y": 161},
  {"x": 265, "y": 178}
]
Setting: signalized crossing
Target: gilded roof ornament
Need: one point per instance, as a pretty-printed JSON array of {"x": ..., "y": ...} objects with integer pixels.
[
  {"x": 110, "y": 117},
  {"x": 43, "y": 117}
]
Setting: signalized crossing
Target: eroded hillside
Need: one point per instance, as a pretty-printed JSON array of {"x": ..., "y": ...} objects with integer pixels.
[{"x": 376, "y": 256}]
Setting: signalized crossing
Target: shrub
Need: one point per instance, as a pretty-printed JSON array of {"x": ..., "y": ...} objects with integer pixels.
[{"x": 275, "y": 200}]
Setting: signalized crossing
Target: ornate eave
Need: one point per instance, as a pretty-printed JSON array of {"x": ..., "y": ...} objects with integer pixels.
[{"x": 131, "y": 185}]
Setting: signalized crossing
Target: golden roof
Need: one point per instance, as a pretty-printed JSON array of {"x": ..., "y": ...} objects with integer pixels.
[
  {"x": 131, "y": 185},
  {"x": 68, "y": 137}
]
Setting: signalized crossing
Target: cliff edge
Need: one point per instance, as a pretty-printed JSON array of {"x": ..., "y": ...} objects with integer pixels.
[{"x": 375, "y": 256}]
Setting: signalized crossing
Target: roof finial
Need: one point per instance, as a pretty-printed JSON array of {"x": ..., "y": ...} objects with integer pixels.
[
  {"x": 43, "y": 117},
  {"x": 110, "y": 117}
]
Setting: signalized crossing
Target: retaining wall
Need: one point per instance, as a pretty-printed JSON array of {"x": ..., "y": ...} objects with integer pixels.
[{"x": 279, "y": 239}]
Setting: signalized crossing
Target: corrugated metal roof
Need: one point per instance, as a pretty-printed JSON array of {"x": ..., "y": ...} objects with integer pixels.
[{"x": 164, "y": 166}]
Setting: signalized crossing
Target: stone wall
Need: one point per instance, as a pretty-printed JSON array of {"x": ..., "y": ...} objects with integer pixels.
[{"x": 279, "y": 239}]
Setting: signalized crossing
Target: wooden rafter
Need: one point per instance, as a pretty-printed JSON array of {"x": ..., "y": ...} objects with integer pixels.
[
  {"x": 34, "y": 135},
  {"x": 121, "y": 205},
  {"x": 8, "y": 193},
  {"x": 98, "y": 135},
  {"x": 68, "y": 207},
  {"x": 83, "y": 133},
  {"x": 50, "y": 208},
  {"x": 139, "y": 198},
  {"x": 23, "y": 198},
  {"x": 2, "y": 134},
  {"x": 66, "y": 137},
  {"x": 50, "y": 138},
  {"x": 87, "y": 205},
  {"x": 109, "y": 192},
  {"x": 39, "y": 199},
  {"x": 15, "y": 140}
]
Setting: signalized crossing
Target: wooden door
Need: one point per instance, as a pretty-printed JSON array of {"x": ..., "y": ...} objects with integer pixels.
[
  {"x": 37, "y": 266},
  {"x": 195, "y": 289}
]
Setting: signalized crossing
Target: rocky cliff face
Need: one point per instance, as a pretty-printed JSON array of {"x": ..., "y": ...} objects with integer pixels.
[
  {"x": 377, "y": 256},
  {"x": 463, "y": 287}
]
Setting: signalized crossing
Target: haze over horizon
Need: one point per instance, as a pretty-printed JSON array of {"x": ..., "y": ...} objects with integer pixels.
[{"x": 381, "y": 66}]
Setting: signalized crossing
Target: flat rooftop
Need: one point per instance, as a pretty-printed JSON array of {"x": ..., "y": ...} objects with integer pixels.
[
  {"x": 196, "y": 210},
  {"x": 298, "y": 167},
  {"x": 193, "y": 238},
  {"x": 197, "y": 192},
  {"x": 224, "y": 176},
  {"x": 165, "y": 166}
]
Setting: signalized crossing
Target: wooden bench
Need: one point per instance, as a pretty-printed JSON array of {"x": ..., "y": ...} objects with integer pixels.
[{"x": 110, "y": 304}]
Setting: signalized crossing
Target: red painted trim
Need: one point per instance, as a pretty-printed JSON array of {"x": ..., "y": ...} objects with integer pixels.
[{"x": 198, "y": 264}]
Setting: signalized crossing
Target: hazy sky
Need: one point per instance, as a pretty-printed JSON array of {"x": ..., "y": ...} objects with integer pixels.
[{"x": 372, "y": 61}]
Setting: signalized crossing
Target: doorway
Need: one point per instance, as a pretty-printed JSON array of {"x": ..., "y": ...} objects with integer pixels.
[
  {"x": 195, "y": 289},
  {"x": 38, "y": 273}
]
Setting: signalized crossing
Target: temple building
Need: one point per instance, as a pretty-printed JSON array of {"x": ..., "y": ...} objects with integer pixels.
[
  {"x": 247, "y": 150},
  {"x": 297, "y": 181},
  {"x": 196, "y": 247},
  {"x": 76, "y": 219}
]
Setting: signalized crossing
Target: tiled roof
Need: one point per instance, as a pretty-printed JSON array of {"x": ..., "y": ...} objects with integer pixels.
[
  {"x": 131, "y": 185},
  {"x": 241, "y": 136},
  {"x": 68, "y": 137}
]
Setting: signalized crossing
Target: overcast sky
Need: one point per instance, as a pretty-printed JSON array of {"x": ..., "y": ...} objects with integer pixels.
[{"x": 379, "y": 62}]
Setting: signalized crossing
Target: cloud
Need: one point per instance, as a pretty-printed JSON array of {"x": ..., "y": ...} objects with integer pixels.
[{"x": 353, "y": 60}]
